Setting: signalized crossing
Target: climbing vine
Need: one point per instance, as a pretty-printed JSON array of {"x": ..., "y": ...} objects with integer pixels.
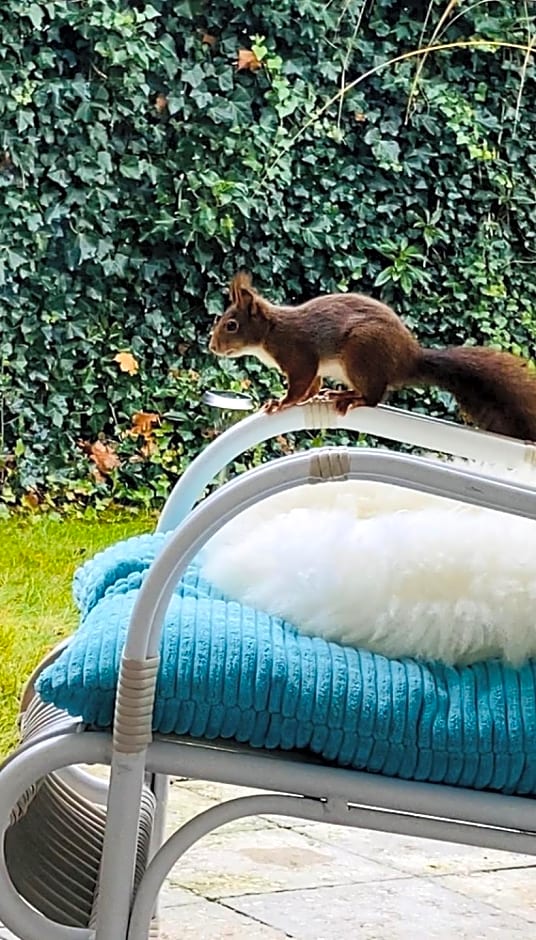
[{"x": 148, "y": 150}]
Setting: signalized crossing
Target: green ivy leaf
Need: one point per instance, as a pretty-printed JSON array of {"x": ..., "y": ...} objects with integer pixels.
[
  {"x": 143, "y": 170},
  {"x": 87, "y": 247},
  {"x": 35, "y": 13}
]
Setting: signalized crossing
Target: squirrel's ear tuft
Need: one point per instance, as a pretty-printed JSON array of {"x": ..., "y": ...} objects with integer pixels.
[{"x": 241, "y": 290}]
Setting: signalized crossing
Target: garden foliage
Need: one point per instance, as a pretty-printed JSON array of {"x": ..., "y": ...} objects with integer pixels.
[{"x": 148, "y": 150}]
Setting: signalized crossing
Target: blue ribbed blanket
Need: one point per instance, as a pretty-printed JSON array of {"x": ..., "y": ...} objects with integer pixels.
[{"x": 230, "y": 671}]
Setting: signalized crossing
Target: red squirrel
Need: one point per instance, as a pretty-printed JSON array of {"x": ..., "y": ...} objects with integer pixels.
[{"x": 362, "y": 343}]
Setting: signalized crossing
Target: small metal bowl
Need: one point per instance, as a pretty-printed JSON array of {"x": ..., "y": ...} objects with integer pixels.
[{"x": 228, "y": 401}]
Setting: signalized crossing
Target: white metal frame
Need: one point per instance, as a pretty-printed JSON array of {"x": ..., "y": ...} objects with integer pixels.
[
  {"x": 301, "y": 787},
  {"x": 392, "y": 424}
]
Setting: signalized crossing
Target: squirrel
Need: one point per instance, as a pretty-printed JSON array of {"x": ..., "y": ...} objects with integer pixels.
[{"x": 363, "y": 344}]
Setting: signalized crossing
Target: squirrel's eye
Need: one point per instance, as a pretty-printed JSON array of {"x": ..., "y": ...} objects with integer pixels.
[{"x": 231, "y": 326}]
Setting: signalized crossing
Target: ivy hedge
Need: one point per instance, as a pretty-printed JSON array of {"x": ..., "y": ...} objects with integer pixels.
[{"x": 150, "y": 149}]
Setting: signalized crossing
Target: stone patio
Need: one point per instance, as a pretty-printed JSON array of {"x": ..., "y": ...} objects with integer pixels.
[{"x": 269, "y": 878}]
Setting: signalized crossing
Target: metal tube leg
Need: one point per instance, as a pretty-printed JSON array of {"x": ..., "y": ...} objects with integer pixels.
[
  {"x": 120, "y": 847},
  {"x": 160, "y": 787}
]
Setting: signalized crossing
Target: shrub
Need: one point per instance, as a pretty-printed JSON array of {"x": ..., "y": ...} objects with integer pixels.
[{"x": 140, "y": 167}]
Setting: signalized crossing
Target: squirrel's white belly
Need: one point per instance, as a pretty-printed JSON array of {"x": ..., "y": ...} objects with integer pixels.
[
  {"x": 260, "y": 353},
  {"x": 328, "y": 368},
  {"x": 334, "y": 369}
]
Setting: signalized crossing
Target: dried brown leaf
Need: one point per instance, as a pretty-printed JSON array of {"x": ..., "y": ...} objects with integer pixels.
[
  {"x": 248, "y": 60},
  {"x": 143, "y": 423},
  {"x": 148, "y": 448},
  {"x": 127, "y": 362},
  {"x": 103, "y": 456},
  {"x": 30, "y": 499},
  {"x": 161, "y": 103},
  {"x": 284, "y": 445}
]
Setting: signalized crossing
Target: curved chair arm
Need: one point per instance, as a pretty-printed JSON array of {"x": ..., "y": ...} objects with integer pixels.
[
  {"x": 132, "y": 731},
  {"x": 391, "y": 423}
]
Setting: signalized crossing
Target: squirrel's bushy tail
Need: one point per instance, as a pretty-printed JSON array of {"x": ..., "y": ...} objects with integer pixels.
[{"x": 495, "y": 390}]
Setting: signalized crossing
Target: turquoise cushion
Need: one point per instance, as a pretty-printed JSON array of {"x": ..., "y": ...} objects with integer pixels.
[{"x": 231, "y": 671}]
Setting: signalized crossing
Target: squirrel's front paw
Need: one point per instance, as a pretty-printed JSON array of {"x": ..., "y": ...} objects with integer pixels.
[{"x": 272, "y": 406}]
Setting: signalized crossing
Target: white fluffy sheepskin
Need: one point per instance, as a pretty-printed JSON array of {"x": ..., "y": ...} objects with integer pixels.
[{"x": 385, "y": 569}]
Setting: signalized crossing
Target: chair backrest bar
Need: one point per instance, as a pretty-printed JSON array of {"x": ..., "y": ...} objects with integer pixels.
[{"x": 431, "y": 434}]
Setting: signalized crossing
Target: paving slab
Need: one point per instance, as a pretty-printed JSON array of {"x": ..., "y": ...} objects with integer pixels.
[
  {"x": 402, "y": 909},
  {"x": 260, "y": 861},
  {"x": 410, "y": 855},
  {"x": 512, "y": 891},
  {"x": 188, "y": 798},
  {"x": 207, "y": 920}
]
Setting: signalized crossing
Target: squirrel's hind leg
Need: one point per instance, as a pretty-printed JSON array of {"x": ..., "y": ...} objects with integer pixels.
[
  {"x": 343, "y": 400},
  {"x": 366, "y": 363},
  {"x": 364, "y": 368}
]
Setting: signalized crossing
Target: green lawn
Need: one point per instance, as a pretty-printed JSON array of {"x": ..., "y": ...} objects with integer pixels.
[{"x": 38, "y": 558}]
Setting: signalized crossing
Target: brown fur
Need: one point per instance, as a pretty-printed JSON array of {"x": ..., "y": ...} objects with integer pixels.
[{"x": 362, "y": 342}]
